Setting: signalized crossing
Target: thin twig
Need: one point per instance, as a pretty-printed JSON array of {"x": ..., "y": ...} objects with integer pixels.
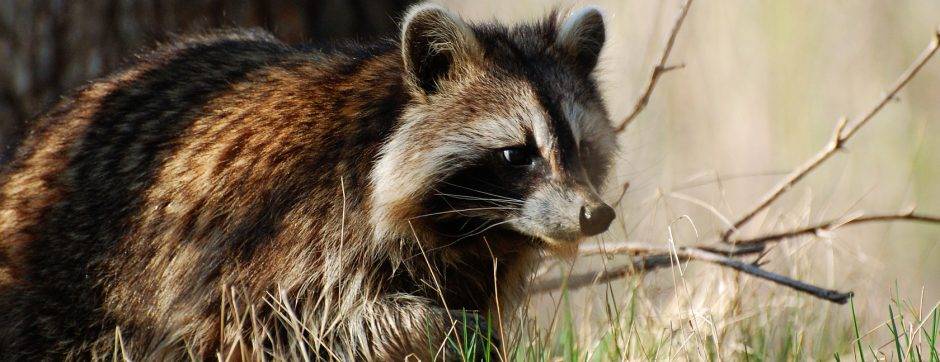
[
  {"x": 577, "y": 281},
  {"x": 655, "y": 256},
  {"x": 686, "y": 253},
  {"x": 829, "y": 225},
  {"x": 660, "y": 68},
  {"x": 751, "y": 269},
  {"x": 840, "y": 136},
  {"x": 623, "y": 248},
  {"x": 755, "y": 245}
]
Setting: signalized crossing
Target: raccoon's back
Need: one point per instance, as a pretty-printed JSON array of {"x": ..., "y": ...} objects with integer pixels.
[{"x": 151, "y": 185}]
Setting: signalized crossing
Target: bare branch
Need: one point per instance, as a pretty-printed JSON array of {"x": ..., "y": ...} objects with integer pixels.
[
  {"x": 660, "y": 68},
  {"x": 841, "y": 135},
  {"x": 898, "y": 85},
  {"x": 829, "y": 225},
  {"x": 756, "y": 244},
  {"x": 623, "y": 248},
  {"x": 686, "y": 253},
  {"x": 655, "y": 256},
  {"x": 754, "y": 270},
  {"x": 577, "y": 281}
]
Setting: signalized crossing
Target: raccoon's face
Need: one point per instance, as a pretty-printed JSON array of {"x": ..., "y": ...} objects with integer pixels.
[{"x": 506, "y": 133}]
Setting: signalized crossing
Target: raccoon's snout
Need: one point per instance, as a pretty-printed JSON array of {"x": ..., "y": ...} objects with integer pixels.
[
  {"x": 564, "y": 214},
  {"x": 595, "y": 219}
]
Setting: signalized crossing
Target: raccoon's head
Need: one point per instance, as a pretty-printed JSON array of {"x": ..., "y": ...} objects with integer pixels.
[{"x": 506, "y": 131}]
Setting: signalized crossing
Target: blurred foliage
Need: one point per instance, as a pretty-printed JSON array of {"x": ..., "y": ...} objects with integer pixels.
[{"x": 50, "y": 46}]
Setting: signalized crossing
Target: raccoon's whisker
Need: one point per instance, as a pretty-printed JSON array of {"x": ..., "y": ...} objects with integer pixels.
[
  {"x": 485, "y": 202},
  {"x": 473, "y": 198},
  {"x": 475, "y": 229},
  {"x": 482, "y": 192},
  {"x": 465, "y": 222},
  {"x": 470, "y": 197},
  {"x": 465, "y": 210},
  {"x": 493, "y": 185},
  {"x": 454, "y": 209},
  {"x": 476, "y": 233},
  {"x": 497, "y": 201}
]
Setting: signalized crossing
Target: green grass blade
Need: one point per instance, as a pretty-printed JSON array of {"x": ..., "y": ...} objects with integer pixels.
[
  {"x": 858, "y": 336},
  {"x": 894, "y": 333}
]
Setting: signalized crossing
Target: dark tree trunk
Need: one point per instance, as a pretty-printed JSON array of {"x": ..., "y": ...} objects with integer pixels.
[{"x": 50, "y": 46}]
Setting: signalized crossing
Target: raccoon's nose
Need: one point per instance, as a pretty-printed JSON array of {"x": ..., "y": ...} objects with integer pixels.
[{"x": 595, "y": 219}]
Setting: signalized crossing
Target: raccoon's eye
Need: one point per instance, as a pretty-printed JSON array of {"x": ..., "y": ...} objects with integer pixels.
[{"x": 516, "y": 156}]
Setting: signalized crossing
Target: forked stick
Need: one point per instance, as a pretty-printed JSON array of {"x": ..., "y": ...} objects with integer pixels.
[
  {"x": 660, "y": 68},
  {"x": 655, "y": 256},
  {"x": 665, "y": 257},
  {"x": 840, "y": 136}
]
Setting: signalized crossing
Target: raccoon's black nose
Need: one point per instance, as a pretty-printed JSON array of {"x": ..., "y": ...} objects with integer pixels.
[{"x": 595, "y": 219}]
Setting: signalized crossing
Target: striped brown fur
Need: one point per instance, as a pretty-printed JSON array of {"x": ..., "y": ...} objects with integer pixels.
[{"x": 232, "y": 160}]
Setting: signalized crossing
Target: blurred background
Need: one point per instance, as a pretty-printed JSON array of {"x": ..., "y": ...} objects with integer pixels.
[
  {"x": 50, "y": 46},
  {"x": 762, "y": 87}
]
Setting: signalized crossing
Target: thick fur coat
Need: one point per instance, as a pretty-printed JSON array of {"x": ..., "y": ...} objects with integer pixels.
[{"x": 364, "y": 181}]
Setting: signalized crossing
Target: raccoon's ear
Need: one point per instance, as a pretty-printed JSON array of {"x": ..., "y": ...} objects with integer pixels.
[
  {"x": 436, "y": 46},
  {"x": 581, "y": 37}
]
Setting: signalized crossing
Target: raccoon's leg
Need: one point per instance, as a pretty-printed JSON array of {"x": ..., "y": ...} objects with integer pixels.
[{"x": 406, "y": 327}]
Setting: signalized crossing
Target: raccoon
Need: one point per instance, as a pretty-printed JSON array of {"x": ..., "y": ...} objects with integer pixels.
[{"x": 388, "y": 185}]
